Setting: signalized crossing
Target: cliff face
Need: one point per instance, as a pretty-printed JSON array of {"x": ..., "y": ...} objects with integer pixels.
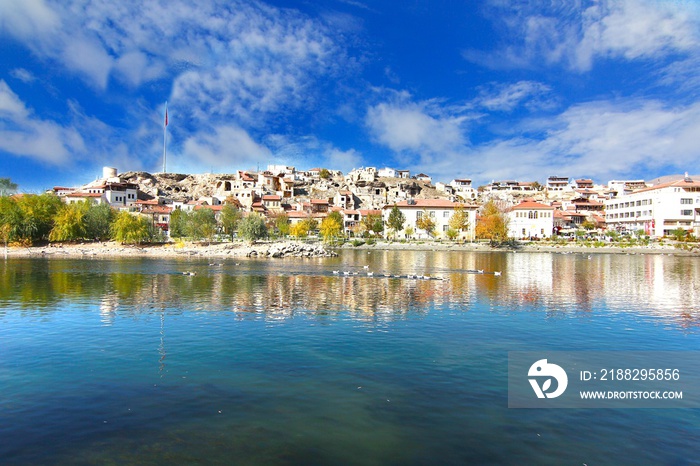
[
  {"x": 369, "y": 195},
  {"x": 178, "y": 187}
]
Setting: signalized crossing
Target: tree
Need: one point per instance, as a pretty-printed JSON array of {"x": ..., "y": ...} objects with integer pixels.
[
  {"x": 332, "y": 226},
  {"x": 396, "y": 219},
  {"x": 679, "y": 234},
  {"x": 588, "y": 225},
  {"x": 282, "y": 224},
  {"x": 300, "y": 229},
  {"x": 7, "y": 187},
  {"x": 10, "y": 220},
  {"x": 69, "y": 223},
  {"x": 253, "y": 228},
  {"x": 459, "y": 221},
  {"x": 203, "y": 224},
  {"x": 426, "y": 223},
  {"x": 98, "y": 219},
  {"x": 409, "y": 232},
  {"x": 130, "y": 229},
  {"x": 179, "y": 220},
  {"x": 372, "y": 223},
  {"x": 493, "y": 224},
  {"x": 324, "y": 174},
  {"x": 230, "y": 218},
  {"x": 451, "y": 234}
]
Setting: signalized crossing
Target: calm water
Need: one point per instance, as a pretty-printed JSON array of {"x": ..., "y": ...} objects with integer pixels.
[{"x": 285, "y": 362}]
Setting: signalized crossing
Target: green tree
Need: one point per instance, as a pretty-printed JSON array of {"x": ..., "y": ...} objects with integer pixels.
[
  {"x": 230, "y": 217},
  {"x": 98, "y": 219},
  {"x": 324, "y": 174},
  {"x": 10, "y": 220},
  {"x": 409, "y": 232},
  {"x": 493, "y": 224},
  {"x": 282, "y": 224},
  {"x": 179, "y": 221},
  {"x": 69, "y": 223},
  {"x": 332, "y": 226},
  {"x": 131, "y": 229},
  {"x": 35, "y": 217},
  {"x": 7, "y": 187},
  {"x": 679, "y": 234},
  {"x": 451, "y": 234},
  {"x": 396, "y": 220},
  {"x": 202, "y": 224},
  {"x": 253, "y": 228},
  {"x": 426, "y": 223}
]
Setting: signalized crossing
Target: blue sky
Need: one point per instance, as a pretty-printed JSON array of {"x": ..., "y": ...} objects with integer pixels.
[{"x": 486, "y": 90}]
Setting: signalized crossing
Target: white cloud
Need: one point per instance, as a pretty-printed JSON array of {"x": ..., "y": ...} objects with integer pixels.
[
  {"x": 224, "y": 147},
  {"x": 575, "y": 36},
  {"x": 415, "y": 127},
  {"x": 602, "y": 140},
  {"x": 23, "y": 135},
  {"x": 507, "y": 97},
  {"x": 238, "y": 54},
  {"x": 23, "y": 75}
]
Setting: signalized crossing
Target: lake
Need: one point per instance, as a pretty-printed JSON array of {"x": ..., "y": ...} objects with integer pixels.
[{"x": 291, "y": 361}]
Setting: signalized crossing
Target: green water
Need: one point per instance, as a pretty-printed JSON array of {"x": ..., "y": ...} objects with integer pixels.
[{"x": 285, "y": 362}]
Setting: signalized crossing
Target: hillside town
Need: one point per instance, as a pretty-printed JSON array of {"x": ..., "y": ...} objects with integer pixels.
[{"x": 561, "y": 206}]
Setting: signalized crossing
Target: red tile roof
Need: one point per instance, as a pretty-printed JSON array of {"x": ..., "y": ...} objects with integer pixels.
[{"x": 530, "y": 205}]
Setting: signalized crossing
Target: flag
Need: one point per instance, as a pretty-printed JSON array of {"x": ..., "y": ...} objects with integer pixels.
[{"x": 166, "y": 114}]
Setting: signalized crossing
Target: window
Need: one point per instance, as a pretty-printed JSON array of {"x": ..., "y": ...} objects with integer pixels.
[
  {"x": 432, "y": 214},
  {"x": 419, "y": 214},
  {"x": 523, "y": 231},
  {"x": 445, "y": 227},
  {"x": 686, "y": 201},
  {"x": 446, "y": 214},
  {"x": 686, "y": 212}
]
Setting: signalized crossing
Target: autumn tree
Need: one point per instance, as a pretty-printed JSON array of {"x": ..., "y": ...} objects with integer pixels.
[
  {"x": 493, "y": 224},
  {"x": 131, "y": 229},
  {"x": 459, "y": 221},
  {"x": 69, "y": 223},
  {"x": 426, "y": 223},
  {"x": 332, "y": 226}
]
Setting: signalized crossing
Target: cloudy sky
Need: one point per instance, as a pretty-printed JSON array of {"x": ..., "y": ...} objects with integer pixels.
[{"x": 487, "y": 90}]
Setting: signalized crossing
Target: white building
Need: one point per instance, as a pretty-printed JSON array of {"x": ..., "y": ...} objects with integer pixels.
[
  {"x": 439, "y": 210},
  {"x": 530, "y": 219},
  {"x": 657, "y": 210},
  {"x": 558, "y": 183},
  {"x": 386, "y": 173},
  {"x": 463, "y": 188}
]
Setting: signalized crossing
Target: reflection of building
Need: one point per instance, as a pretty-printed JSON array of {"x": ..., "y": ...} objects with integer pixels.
[{"x": 657, "y": 210}]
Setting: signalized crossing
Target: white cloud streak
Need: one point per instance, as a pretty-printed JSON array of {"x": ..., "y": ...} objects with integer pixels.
[
  {"x": 22, "y": 134},
  {"x": 575, "y": 36}
]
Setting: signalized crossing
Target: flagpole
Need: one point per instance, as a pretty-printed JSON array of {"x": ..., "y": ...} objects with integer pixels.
[{"x": 165, "y": 130}]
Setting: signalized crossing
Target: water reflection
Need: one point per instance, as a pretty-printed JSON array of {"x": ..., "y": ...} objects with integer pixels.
[{"x": 570, "y": 284}]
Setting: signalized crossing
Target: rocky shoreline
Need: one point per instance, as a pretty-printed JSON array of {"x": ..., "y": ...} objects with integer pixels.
[{"x": 281, "y": 249}]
